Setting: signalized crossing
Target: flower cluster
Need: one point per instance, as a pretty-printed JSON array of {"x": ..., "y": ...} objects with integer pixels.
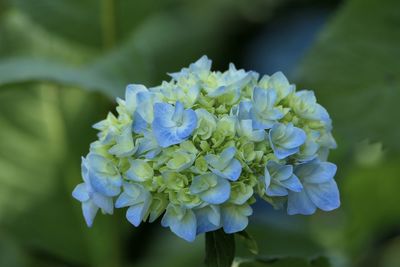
[{"x": 197, "y": 149}]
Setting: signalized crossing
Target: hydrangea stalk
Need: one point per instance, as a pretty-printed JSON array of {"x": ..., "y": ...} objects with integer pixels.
[{"x": 198, "y": 150}]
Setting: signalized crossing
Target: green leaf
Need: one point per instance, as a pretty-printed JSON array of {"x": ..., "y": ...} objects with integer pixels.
[
  {"x": 355, "y": 65},
  {"x": 284, "y": 262},
  {"x": 44, "y": 132},
  {"x": 371, "y": 186},
  {"x": 15, "y": 71},
  {"x": 220, "y": 249},
  {"x": 249, "y": 241},
  {"x": 89, "y": 22}
]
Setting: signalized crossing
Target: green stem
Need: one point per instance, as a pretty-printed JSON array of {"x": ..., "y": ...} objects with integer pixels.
[
  {"x": 220, "y": 249},
  {"x": 108, "y": 23}
]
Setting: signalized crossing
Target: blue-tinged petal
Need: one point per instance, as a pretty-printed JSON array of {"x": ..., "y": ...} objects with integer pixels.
[
  {"x": 293, "y": 183},
  {"x": 165, "y": 136},
  {"x": 300, "y": 203},
  {"x": 146, "y": 102},
  {"x": 296, "y": 139},
  {"x": 189, "y": 123},
  {"x": 286, "y": 139},
  {"x": 279, "y": 179},
  {"x": 227, "y": 154},
  {"x": 133, "y": 194},
  {"x": 324, "y": 195},
  {"x": 208, "y": 219},
  {"x": 163, "y": 113},
  {"x": 80, "y": 193},
  {"x": 89, "y": 210},
  {"x": 139, "y": 125},
  {"x": 235, "y": 218},
  {"x": 103, "y": 202},
  {"x": 244, "y": 110},
  {"x": 104, "y": 184},
  {"x": 278, "y": 171},
  {"x": 181, "y": 221},
  {"x": 124, "y": 143},
  {"x": 139, "y": 170},
  {"x": 136, "y": 213},
  {"x": 98, "y": 163},
  {"x": 258, "y": 135},
  {"x": 279, "y": 82},
  {"x": 148, "y": 145},
  {"x": 316, "y": 172},
  {"x": 125, "y": 200},
  {"x": 202, "y": 183},
  {"x": 178, "y": 112},
  {"x": 131, "y": 92},
  {"x": 85, "y": 170},
  {"x": 240, "y": 193},
  {"x": 231, "y": 172},
  {"x": 263, "y": 99},
  {"x": 217, "y": 194},
  {"x": 282, "y": 153},
  {"x": 168, "y": 130},
  {"x": 276, "y": 190},
  {"x": 212, "y": 160}
]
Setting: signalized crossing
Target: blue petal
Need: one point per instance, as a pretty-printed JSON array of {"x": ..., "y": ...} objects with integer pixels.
[
  {"x": 130, "y": 96},
  {"x": 244, "y": 110},
  {"x": 163, "y": 113},
  {"x": 183, "y": 223},
  {"x": 226, "y": 155},
  {"x": 280, "y": 172},
  {"x": 166, "y": 130},
  {"x": 235, "y": 218},
  {"x": 125, "y": 200},
  {"x": 105, "y": 184},
  {"x": 165, "y": 136},
  {"x": 300, "y": 203},
  {"x": 231, "y": 172},
  {"x": 293, "y": 183},
  {"x": 316, "y": 172},
  {"x": 324, "y": 195},
  {"x": 136, "y": 213},
  {"x": 296, "y": 138},
  {"x": 146, "y": 102},
  {"x": 276, "y": 190},
  {"x": 178, "y": 112},
  {"x": 189, "y": 123},
  {"x": 282, "y": 153},
  {"x": 218, "y": 194},
  {"x": 212, "y": 160},
  {"x": 80, "y": 193},
  {"x": 89, "y": 210},
  {"x": 85, "y": 170},
  {"x": 139, "y": 125},
  {"x": 208, "y": 219},
  {"x": 103, "y": 202}
]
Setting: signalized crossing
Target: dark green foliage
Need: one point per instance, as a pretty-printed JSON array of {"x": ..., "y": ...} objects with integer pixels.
[{"x": 220, "y": 249}]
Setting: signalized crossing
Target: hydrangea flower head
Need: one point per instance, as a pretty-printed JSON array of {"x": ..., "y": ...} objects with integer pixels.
[{"x": 198, "y": 149}]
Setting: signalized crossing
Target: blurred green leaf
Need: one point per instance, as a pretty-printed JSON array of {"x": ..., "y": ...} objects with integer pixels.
[
  {"x": 354, "y": 69},
  {"x": 220, "y": 249},
  {"x": 285, "y": 262},
  {"x": 44, "y": 131},
  {"x": 249, "y": 241},
  {"x": 26, "y": 70},
  {"x": 370, "y": 197},
  {"x": 84, "y": 21}
]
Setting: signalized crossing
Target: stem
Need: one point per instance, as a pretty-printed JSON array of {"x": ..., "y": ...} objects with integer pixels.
[
  {"x": 220, "y": 249},
  {"x": 108, "y": 23}
]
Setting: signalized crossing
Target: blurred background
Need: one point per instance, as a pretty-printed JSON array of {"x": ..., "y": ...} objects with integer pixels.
[{"x": 63, "y": 62}]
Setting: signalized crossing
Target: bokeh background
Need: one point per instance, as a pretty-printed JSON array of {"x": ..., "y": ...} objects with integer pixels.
[{"x": 62, "y": 63}]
